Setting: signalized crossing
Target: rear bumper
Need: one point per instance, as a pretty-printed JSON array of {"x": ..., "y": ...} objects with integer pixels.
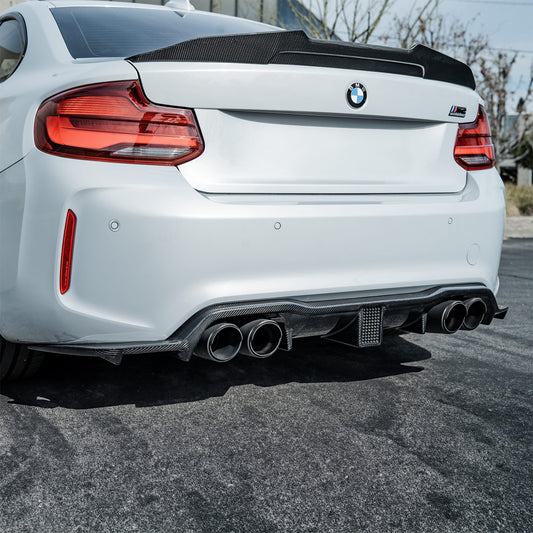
[{"x": 178, "y": 252}]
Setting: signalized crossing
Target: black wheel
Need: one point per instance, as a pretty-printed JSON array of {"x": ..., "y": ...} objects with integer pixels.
[{"x": 17, "y": 362}]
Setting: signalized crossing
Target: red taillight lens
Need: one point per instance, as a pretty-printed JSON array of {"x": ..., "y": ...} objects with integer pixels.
[
  {"x": 473, "y": 145},
  {"x": 115, "y": 122},
  {"x": 66, "y": 252}
]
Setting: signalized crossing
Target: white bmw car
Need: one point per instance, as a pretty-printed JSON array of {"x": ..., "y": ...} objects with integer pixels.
[{"x": 180, "y": 181}]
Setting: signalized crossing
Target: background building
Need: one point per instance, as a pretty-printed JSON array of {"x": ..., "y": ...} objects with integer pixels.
[
  {"x": 4, "y": 4},
  {"x": 269, "y": 11},
  {"x": 261, "y": 10}
]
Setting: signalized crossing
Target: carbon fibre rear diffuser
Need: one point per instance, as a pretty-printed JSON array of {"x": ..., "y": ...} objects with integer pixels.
[{"x": 184, "y": 340}]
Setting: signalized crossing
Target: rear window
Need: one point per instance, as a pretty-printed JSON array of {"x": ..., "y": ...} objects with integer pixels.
[{"x": 123, "y": 31}]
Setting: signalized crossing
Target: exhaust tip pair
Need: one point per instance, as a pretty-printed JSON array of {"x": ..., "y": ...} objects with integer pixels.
[
  {"x": 449, "y": 317},
  {"x": 222, "y": 342}
]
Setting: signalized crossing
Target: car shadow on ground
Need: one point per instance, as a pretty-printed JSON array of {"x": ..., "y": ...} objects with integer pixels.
[{"x": 161, "y": 379}]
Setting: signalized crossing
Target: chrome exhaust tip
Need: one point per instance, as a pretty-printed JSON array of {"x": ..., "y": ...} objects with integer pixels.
[
  {"x": 447, "y": 317},
  {"x": 476, "y": 309},
  {"x": 220, "y": 343},
  {"x": 262, "y": 338}
]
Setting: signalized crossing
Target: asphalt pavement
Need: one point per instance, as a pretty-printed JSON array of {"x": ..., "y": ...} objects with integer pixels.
[{"x": 426, "y": 433}]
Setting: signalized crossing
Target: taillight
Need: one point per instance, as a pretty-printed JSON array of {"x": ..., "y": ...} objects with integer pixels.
[
  {"x": 66, "y": 252},
  {"x": 115, "y": 122},
  {"x": 473, "y": 145}
]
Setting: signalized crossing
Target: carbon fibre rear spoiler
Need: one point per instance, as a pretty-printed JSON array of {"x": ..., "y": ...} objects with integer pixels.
[{"x": 295, "y": 48}]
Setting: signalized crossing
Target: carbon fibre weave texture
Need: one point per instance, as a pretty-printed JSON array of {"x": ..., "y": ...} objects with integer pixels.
[{"x": 295, "y": 48}]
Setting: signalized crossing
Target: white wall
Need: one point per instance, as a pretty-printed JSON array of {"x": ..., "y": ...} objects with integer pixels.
[
  {"x": 243, "y": 8},
  {"x": 4, "y": 4}
]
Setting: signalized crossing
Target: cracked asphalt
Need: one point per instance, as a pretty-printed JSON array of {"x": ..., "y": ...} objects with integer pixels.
[{"x": 426, "y": 433}]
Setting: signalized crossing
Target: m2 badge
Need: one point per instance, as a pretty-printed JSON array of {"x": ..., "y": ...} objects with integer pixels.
[{"x": 457, "y": 111}]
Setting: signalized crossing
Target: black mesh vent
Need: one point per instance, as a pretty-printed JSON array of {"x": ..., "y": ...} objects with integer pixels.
[{"x": 370, "y": 326}]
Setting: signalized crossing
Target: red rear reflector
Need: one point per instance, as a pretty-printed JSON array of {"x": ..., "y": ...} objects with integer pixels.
[
  {"x": 473, "y": 145},
  {"x": 66, "y": 252},
  {"x": 115, "y": 122}
]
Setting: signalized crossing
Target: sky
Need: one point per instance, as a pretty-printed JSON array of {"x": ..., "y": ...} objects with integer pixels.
[{"x": 507, "y": 22}]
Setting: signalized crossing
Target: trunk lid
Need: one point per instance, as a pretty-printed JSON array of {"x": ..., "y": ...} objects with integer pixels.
[{"x": 291, "y": 128}]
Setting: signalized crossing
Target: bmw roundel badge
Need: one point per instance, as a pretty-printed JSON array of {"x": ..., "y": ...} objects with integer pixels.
[{"x": 356, "y": 94}]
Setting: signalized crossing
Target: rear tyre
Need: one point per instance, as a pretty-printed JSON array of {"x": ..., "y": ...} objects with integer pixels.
[{"x": 17, "y": 362}]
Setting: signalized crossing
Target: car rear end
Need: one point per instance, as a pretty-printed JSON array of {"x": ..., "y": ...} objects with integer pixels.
[{"x": 235, "y": 192}]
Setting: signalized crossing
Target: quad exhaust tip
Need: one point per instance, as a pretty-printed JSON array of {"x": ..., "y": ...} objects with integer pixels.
[
  {"x": 262, "y": 338},
  {"x": 447, "y": 317},
  {"x": 220, "y": 343},
  {"x": 476, "y": 309}
]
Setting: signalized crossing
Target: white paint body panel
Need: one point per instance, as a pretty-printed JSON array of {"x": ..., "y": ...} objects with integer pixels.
[
  {"x": 179, "y": 250},
  {"x": 322, "y": 155}
]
